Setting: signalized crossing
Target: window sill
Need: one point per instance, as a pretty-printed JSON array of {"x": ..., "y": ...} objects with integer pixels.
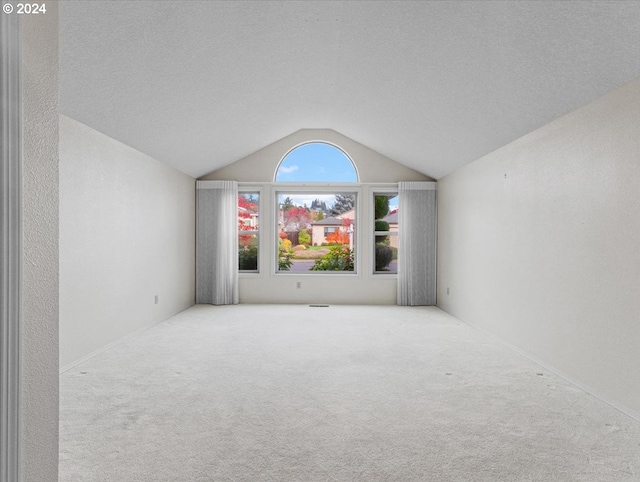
[{"x": 321, "y": 274}]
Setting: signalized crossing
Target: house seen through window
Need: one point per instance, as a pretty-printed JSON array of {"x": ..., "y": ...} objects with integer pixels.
[
  {"x": 248, "y": 231},
  {"x": 316, "y": 231},
  {"x": 316, "y": 227},
  {"x": 385, "y": 233}
]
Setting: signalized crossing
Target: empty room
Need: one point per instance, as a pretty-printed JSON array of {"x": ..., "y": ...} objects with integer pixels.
[{"x": 320, "y": 241}]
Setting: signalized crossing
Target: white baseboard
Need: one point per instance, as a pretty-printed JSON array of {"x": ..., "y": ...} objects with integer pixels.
[
  {"x": 106, "y": 347},
  {"x": 590, "y": 390},
  {"x": 77, "y": 362},
  {"x": 582, "y": 386}
]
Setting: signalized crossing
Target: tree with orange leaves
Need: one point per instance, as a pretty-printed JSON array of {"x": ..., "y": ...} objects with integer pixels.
[{"x": 338, "y": 237}]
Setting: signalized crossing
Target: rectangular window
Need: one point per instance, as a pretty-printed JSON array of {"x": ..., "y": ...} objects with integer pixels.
[
  {"x": 385, "y": 235},
  {"x": 248, "y": 231},
  {"x": 316, "y": 232}
]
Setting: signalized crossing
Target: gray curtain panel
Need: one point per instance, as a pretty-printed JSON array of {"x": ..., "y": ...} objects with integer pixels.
[
  {"x": 217, "y": 242},
  {"x": 417, "y": 243}
]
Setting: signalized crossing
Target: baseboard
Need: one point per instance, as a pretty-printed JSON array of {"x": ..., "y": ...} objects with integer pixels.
[
  {"x": 108, "y": 346},
  {"x": 590, "y": 390},
  {"x": 582, "y": 386}
]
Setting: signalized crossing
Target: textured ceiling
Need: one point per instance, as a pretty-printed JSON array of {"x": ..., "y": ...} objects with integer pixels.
[{"x": 433, "y": 85}]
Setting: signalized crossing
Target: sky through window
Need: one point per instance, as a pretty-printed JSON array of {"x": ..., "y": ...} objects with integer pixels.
[{"x": 316, "y": 162}]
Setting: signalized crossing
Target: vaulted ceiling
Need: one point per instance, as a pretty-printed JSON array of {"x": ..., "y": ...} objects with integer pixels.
[{"x": 433, "y": 85}]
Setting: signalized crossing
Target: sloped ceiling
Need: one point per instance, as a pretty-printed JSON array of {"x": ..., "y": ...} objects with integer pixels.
[{"x": 433, "y": 85}]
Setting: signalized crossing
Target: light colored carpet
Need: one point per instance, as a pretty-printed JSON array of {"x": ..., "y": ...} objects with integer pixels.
[{"x": 345, "y": 393}]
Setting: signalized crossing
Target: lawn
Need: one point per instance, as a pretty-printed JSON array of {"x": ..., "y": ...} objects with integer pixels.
[{"x": 312, "y": 252}]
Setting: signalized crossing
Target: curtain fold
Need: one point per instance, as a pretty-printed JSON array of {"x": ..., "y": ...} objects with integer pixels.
[
  {"x": 417, "y": 244},
  {"x": 217, "y": 242}
]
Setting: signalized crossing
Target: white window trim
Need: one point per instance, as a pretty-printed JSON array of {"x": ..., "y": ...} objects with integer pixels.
[
  {"x": 245, "y": 188},
  {"x": 317, "y": 141},
  {"x": 365, "y": 254},
  {"x": 320, "y": 188},
  {"x": 387, "y": 189}
]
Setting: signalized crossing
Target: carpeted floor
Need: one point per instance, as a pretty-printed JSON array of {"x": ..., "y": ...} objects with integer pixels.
[{"x": 344, "y": 393}]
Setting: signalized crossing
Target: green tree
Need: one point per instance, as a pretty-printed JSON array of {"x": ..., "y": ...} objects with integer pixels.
[
  {"x": 383, "y": 254},
  {"x": 317, "y": 204},
  {"x": 344, "y": 203},
  {"x": 381, "y": 207},
  {"x": 304, "y": 237},
  {"x": 287, "y": 204}
]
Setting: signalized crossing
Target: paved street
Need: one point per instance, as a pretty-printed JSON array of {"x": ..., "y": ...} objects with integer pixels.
[{"x": 301, "y": 265}]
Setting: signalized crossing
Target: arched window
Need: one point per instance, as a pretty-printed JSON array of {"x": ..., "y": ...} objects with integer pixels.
[
  {"x": 321, "y": 221},
  {"x": 316, "y": 162}
]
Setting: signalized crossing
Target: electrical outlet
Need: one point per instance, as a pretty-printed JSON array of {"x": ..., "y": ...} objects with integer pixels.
[
  {"x": 156, "y": 299},
  {"x": 298, "y": 284}
]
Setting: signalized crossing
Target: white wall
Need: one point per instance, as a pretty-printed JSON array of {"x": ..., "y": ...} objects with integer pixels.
[
  {"x": 261, "y": 165},
  {"x": 539, "y": 243},
  {"x": 127, "y": 234},
  {"x": 39, "y": 396},
  {"x": 361, "y": 288}
]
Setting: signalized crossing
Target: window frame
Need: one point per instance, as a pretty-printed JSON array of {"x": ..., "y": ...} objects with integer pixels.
[
  {"x": 317, "y": 141},
  {"x": 375, "y": 191},
  {"x": 289, "y": 188},
  {"x": 253, "y": 189}
]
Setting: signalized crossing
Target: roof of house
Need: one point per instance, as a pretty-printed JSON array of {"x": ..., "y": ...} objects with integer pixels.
[
  {"x": 391, "y": 218},
  {"x": 331, "y": 221}
]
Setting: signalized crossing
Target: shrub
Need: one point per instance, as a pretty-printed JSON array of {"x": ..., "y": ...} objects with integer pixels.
[
  {"x": 304, "y": 237},
  {"x": 381, "y": 208},
  {"x": 384, "y": 256},
  {"x": 284, "y": 261},
  {"x": 248, "y": 258},
  {"x": 337, "y": 259},
  {"x": 381, "y": 226},
  {"x": 285, "y": 253}
]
